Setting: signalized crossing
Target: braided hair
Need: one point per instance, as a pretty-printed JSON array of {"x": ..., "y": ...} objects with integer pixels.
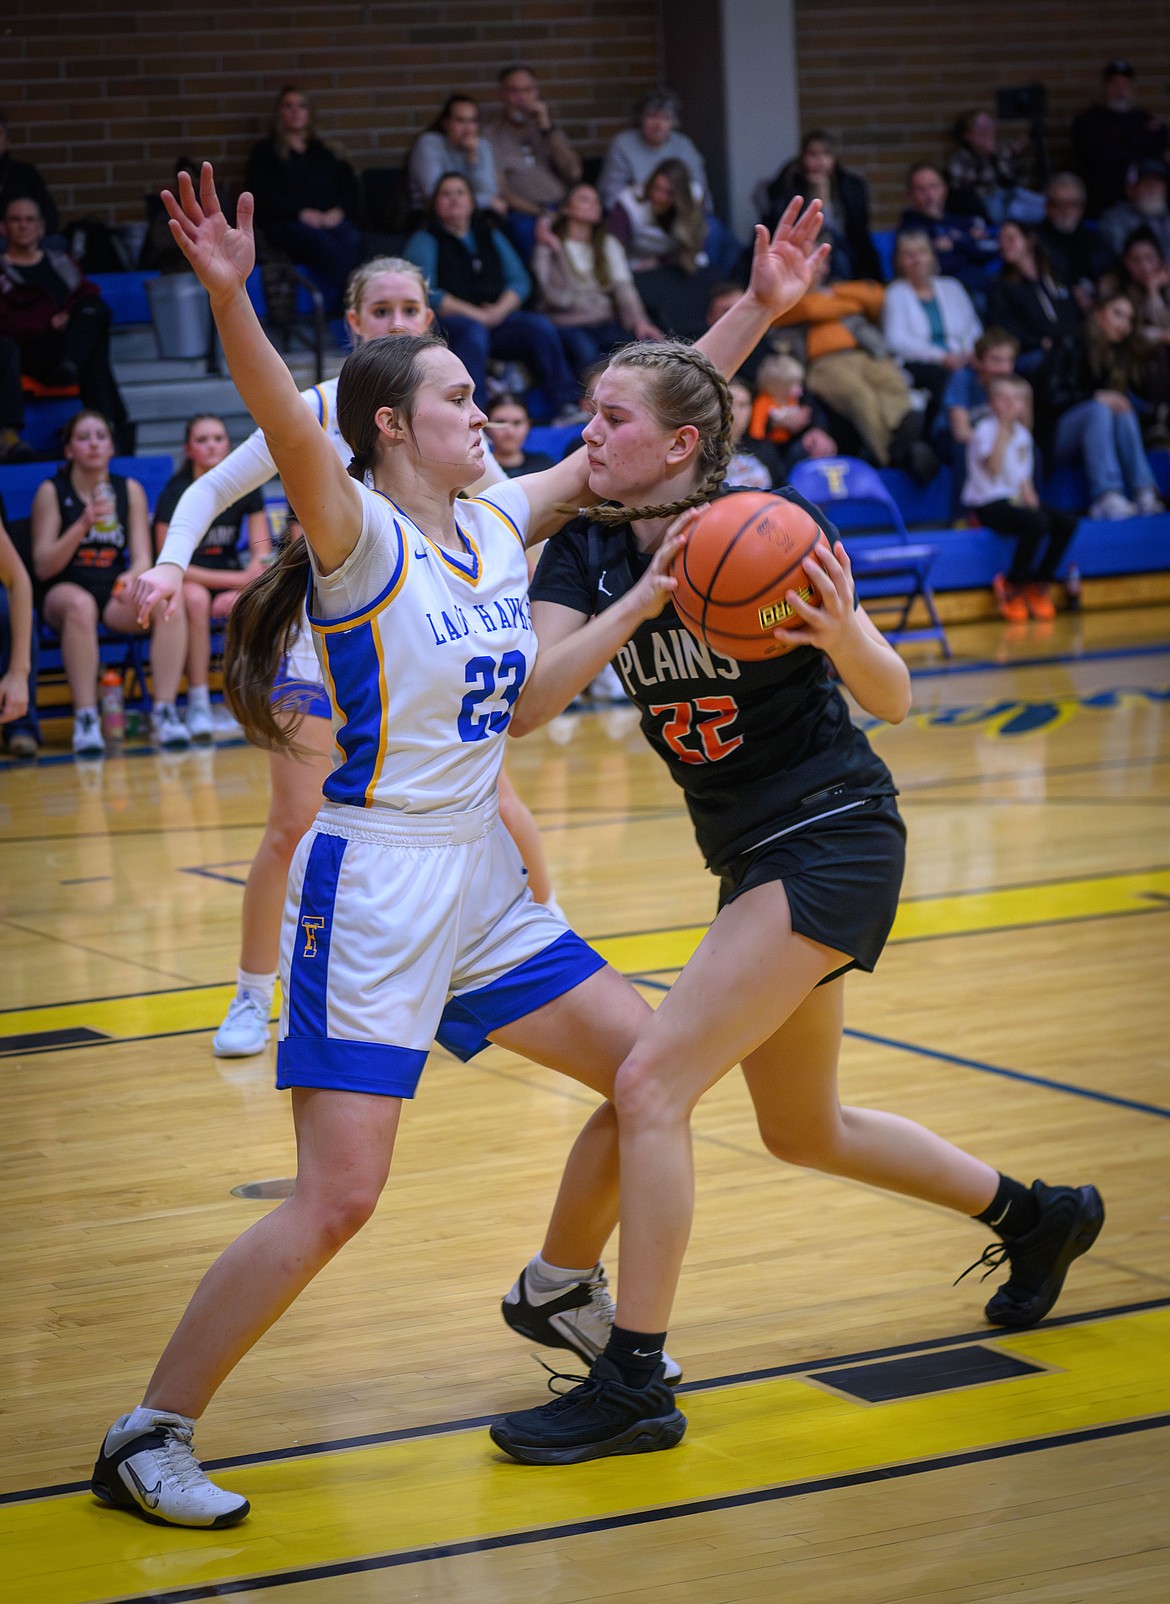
[{"x": 682, "y": 387}]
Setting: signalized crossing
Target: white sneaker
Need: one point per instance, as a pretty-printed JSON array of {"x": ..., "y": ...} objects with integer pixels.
[
  {"x": 607, "y": 687},
  {"x": 578, "y": 1317},
  {"x": 1112, "y": 506},
  {"x": 168, "y": 729},
  {"x": 87, "y": 735},
  {"x": 1149, "y": 502},
  {"x": 223, "y": 724},
  {"x": 245, "y": 1028},
  {"x": 199, "y": 723},
  {"x": 155, "y": 1474}
]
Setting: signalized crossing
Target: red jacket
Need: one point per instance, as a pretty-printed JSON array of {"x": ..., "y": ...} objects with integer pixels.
[{"x": 26, "y": 310}]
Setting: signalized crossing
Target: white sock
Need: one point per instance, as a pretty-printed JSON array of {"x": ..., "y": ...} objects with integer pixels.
[
  {"x": 164, "y": 707},
  {"x": 80, "y": 712},
  {"x": 143, "y": 1419},
  {"x": 199, "y": 696},
  {"x": 546, "y": 1276},
  {"x": 261, "y": 986}
]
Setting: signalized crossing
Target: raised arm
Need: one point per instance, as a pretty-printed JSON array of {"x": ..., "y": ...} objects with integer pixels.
[
  {"x": 327, "y": 500},
  {"x": 782, "y": 270}
]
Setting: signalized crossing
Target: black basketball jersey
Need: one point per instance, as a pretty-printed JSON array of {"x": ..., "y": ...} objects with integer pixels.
[
  {"x": 758, "y": 748},
  {"x": 99, "y": 558}
]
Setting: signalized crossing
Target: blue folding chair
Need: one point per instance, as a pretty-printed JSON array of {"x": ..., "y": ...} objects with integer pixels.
[{"x": 891, "y": 576}]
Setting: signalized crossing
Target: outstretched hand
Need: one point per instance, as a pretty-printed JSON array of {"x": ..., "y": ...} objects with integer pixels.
[
  {"x": 652, "y": 592},
  {"x": 784, "y": 266},
  {"x": 826, "y": 620},
  {"x": 222, "y": 256}
]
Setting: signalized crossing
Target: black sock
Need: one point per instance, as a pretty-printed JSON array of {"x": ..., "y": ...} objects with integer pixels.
[
  {"x": 1013, "y": 1211},
  {"x": 636, "y": 1354}
]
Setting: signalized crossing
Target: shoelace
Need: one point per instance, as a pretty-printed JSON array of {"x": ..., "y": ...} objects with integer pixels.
[
  {"x": 600, "y": 1298},
  {"x": 178, "y": 1458},
  {"x": 244, "y": 1003},
  {"x": 993, "y": 1256},
  {"x": 563, "y": 1394}
]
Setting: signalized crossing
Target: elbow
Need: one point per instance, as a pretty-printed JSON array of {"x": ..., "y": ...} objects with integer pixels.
[{"x": 524, "y": 721}]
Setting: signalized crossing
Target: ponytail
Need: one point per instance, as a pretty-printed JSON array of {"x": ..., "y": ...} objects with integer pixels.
[{"x": 260, "y": 629}]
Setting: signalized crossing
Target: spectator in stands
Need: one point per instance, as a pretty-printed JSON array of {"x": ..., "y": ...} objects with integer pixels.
[
  {"x": 1079, "y": 256},
  {"x": 1109, "y": 137},
  {"x": 12, "y": 447},
  {"x": 928, "y": 322},
  {"x": 817, "y": 175},
  {"x": 21, "y": 181},
  {"x": 1028, "y": 299},
  {"x": 1144, "y": 277},
  {"x": 478, "y": 286},
  {"x": 586, "y": 286},
  {"x": 965, "y": 400},
  {"x": 961, "y": 244},
  {"x": 509, "y": 423},
  {"x": 18, "y": 653},
  {"x": 307, "y": 198},
  {"x": 851, "y": 370},
  {"x": 661, "y": 223},
  {"x": 58, "y": 318},
  {"x": 784, "y": 416},
  {"x": 1001, "y": 492},
  {"x": 635, "y": 153},
  {"x": 217, "y": 572},
  {"x": 1144, "y": 206},
  {"x": 1086, "y": 413},
  {"x": 986, "y": 177},
  {"x": 754, "y": 464},
  {"x": 85, "y": 523},
  {"x": 454, "y": 143},
  {"x": 535, "y": 163}
]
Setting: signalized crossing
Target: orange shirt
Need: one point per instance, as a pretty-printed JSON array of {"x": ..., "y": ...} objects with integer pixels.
[{"x": 824, "y": 309}]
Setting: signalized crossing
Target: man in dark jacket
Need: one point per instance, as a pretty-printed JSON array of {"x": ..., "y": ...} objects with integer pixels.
[
  {"x": 21, "y": 181},
  {"x": 1112, "y": 135},
  {"x": 1079, "y": 255},
  {"x": 57, "y": 318},
  {"x": 961, "y": 244}
]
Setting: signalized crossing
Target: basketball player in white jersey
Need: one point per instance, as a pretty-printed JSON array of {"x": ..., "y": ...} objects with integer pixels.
[
  {"x": 385, "y": 296},
  {"x": 407, "y": 917}
]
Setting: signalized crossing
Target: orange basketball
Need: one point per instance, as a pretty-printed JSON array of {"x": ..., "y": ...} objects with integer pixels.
[{"x": 743, "y": 554}]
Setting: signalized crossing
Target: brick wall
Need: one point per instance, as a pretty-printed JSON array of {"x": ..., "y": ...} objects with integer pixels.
[
  {"x": 104, "y": 96},
  {"x": 889, "y": 79}
]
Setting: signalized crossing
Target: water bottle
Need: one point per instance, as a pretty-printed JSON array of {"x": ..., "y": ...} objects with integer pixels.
[
  {"x": 112, "y": 706},
  {"x": 105, "y": 524},
  {"x": 1072, "y": 588}
]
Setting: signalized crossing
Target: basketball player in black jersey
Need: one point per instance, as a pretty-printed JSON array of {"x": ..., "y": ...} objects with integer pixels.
[{"x": 796, "y": 815}]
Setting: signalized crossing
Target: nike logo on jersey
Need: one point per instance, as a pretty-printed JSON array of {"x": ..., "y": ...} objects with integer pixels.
[
  {"x": 150, "y": 1495},
  {"x": 422, "y": 553}
]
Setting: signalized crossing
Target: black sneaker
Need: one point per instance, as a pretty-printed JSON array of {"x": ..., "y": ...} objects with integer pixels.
[
  {"x": 578, "y": 1318},
  {"x": 1070, "y": 1222},
  {"x": 598, "y": 1418}
]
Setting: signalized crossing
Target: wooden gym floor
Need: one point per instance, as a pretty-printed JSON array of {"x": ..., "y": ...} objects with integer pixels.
[{"x": 1021, "y": 1009}]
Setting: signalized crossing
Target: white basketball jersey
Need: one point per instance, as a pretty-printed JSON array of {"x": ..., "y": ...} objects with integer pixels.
[{"x": 424, "y": 651}]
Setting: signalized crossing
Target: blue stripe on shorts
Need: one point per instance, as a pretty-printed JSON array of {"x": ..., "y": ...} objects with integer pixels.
[
  {"x": 302, "y": 696},
  {"x": 469, "y": 1018},
  {"x": 349, "y": 1066},
  {"x": 308, "y": 984}
]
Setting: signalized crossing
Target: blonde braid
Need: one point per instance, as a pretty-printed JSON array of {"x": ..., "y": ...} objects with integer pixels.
[{"x": 676, "y": 401}]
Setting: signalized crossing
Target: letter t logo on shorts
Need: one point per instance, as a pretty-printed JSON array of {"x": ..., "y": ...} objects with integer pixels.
[{"x": 311, "y": 925}]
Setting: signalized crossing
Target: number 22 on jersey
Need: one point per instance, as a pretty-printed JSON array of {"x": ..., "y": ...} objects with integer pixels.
[{"x": 693, "y": 729}]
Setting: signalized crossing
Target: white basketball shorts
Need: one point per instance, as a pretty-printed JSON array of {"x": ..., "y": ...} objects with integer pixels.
[{"x": 400, "y": 930}]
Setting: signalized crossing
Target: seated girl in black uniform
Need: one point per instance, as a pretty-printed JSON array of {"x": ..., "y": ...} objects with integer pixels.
[
  {"x": 796, "y": 815},
  {"x": 86, "y": 523},
  {"x": 217, "y": 572}
]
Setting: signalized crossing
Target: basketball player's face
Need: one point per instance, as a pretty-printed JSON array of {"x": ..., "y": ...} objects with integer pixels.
[
  {"x": 630, "y": 454},
  {"x": 207, "y": 444},
  {"x": 392, "y": 303},
  {"x": 90, "y": 446},
  {"x": 447, "y": 425}
]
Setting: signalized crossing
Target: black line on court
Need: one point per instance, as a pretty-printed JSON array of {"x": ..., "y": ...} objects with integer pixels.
[
  {"x": 741, "y": 1378},
  {"x": 48, "y": 1040},
  {"x": 985, "y": 665},
  {"x": 645, "y": 1517},
  {"x": 121, "y": 996}
]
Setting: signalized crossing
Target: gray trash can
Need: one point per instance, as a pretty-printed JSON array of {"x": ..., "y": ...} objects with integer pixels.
[{"x": 181, "y": 314}]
